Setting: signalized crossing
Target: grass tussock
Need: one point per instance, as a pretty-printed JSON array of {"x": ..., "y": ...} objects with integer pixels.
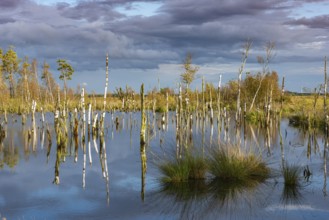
[
  {"x": 183, "y": 169},
  {"x": 226, "y": 164},
  {"x": 292, "y": 184},
  {"x": 291, "y": 175},
  {"x": 230, "y": 164}
]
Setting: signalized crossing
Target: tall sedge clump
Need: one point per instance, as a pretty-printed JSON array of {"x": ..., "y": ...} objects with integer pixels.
[{"x": 232, "y": 165}]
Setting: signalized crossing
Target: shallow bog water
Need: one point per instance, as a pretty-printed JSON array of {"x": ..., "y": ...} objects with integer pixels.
[{"x": 115, "y": 187}]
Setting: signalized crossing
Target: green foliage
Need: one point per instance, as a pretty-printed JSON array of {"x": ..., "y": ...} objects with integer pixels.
[
  {"x": 10, "y": 66},
  {"x": 10, "y": 62},
  {"x": 175, "y": 171},
  {"x": 230, "y": 164},
  {"x": 249, "y": 86},
  {"x": 255, "y": 116},
  {"x": 160, "y": 109},
  {"x": 300, "y": 119},
  {"x": 291, "y": 175},
  {"x": 65, "y": 69},
  {"x": 188, "y": 76},
  {"x": 251, "y": 83},
  {"x": 184, "y": 169},
  {"x": 230, "y": 93}
]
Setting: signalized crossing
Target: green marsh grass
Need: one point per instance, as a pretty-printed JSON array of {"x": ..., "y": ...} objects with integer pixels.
[
  {"x": 232, "y": 165},
  {"x": 291, "y": 175},
  {"x": 292, "y": 184},
  {"x": 189, "y": 167}
]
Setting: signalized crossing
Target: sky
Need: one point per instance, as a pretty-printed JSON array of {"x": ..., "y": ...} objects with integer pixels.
[{"x": 147, "y": 41}]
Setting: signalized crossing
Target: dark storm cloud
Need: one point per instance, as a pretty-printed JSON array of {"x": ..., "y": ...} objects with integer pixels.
[
  {"x": 196, "y": 12},
  {"x": 91, "y": 11},
  {"x": 6, "y": 20},
  {"x": 212, "y": 30},
  {"x": 9, "y": 4},
  {"x": 314, "y": 22}
]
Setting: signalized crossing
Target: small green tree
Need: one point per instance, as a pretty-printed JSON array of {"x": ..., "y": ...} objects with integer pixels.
[
  {"x": 23, "y": 83},
  {"x": 65, "y": 69},
  {"x": 189, "y": 75},
  {"x": 10, "y": 66},
  {"x": 48, "y": 81},
  {"x": 66, "y": 74},
  {"x": 2, "y": 85}
]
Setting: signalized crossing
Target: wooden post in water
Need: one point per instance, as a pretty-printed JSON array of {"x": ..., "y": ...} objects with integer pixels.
[
  {"x": 269, "y": 106},
  {"x": 238, "y": 101},
  {"x": 211, "y": 109},
  {"x": 279, "y": 124},
  {"x": 6, "y": 120},
  {"x": 49, "y": 143},
  {"x": 325, "y": 94},
  {"x": 42, "y": 117},
  {"x": 143, "y": 117},
  {"x": 34, "y": 140},
  {"x": 23, "y": 117},
  {"x": 105, "y": 93},
  {"x": 143, "y": 142},
  {"x": 325, "y": 86},
  {"x": 83, "y": 113},
  {"x": 89, "y": 117},
  {"x": 167, "y": 110},
  {"x": 84, "y": 163},
  {"x": 218, "y": 103},
  {"x": 203, "y": 101},
  {"x": 180, "y": 118},
  {"x": 282, "y": 97}
]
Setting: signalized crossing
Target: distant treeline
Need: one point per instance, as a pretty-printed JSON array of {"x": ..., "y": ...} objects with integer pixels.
[{"x": 22, "y": 81}]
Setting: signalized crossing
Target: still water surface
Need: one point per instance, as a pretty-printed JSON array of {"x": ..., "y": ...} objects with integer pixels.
[{"x": 27, "y": 172}]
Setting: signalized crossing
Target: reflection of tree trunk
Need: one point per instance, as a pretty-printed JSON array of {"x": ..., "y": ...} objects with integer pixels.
[
  {"x": 84, "y": 164},
  {"x": 281, "y": 145},
  {"x": 49, "y": 143},
  {"x": 89, "y": 150},
  {"x": 76, "y": 144},
  {"x": 103, "y": 160},
  {"x": 325, "y": 166},
  {"x": 142, "y": 141},
  {"x": 143, "y": 169},
  {"x": 34, "y": 140},
  {"x": 57, "y": 165}
]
